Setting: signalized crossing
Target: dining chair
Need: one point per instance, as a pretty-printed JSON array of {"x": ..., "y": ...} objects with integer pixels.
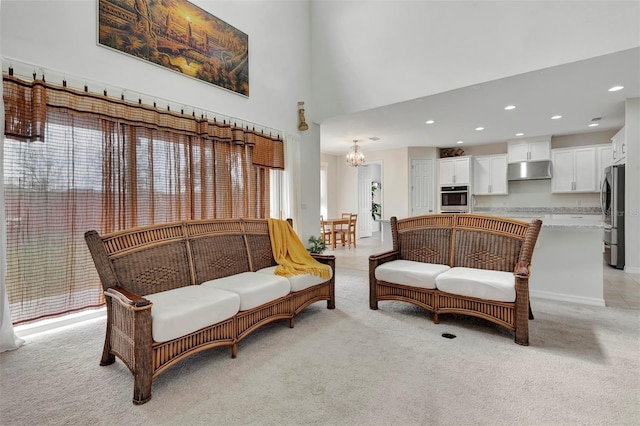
[
  {"x": 352, "y": 229},
  {"x": 346, "y": 225},
  {"x": 347, "y": 234},
  {"x": 325, "y": 231}
]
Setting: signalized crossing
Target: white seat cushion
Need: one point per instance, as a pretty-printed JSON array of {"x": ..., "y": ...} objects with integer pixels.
[
  {"x": 480, "y": 283},
  {"x": 178, "y": 312},
  {"x": 298, "y": 282},
  {"x": 408, "y": 272},
  {"x": 254, "y": 289}
]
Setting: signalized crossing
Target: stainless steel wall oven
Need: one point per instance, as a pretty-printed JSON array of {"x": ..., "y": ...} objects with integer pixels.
[{"x": 454, "y": 199}]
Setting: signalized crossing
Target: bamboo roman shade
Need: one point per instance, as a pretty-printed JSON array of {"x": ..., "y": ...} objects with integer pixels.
[
  {"x": 76, "y": 161},
  {"x": 26, "y": 105}
]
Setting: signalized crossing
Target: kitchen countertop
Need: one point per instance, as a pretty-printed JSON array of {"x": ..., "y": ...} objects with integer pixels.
[{"x": 552, "y": 217}]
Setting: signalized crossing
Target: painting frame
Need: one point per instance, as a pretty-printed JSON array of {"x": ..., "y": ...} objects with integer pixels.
[{"x": 179, "y": 36}]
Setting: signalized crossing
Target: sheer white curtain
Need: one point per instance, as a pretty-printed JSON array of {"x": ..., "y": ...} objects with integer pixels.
[
  {"x": 8, "y": 339},
  {"x": 291, "y": 178}
]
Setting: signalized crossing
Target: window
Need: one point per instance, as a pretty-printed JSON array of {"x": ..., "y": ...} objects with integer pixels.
[{"x": 69, "y": 170}]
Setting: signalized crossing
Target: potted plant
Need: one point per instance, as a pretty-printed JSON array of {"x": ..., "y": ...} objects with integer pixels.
[
  {"x": 317, "y": 245},
  {"x": 375, "y": 207}
]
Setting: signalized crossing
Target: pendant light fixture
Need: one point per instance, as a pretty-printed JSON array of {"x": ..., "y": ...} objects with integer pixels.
[{"x": 355, "y": 157}]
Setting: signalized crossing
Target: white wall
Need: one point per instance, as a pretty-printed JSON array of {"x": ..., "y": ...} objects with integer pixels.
[
  {"x": 60, "y": 37},
  {"x": 632, "y": 189},
  {"x": 395, "y": 178},
  {"x": 382, "y": 52},
  {"x": 332, "y": 183}
]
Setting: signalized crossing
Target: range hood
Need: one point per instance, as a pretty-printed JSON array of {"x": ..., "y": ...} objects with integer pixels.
[{"x": 529, "y": 170}]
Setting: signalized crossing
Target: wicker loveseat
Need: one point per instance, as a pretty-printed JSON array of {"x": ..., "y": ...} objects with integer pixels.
[
  {"x": 176, "y": 289},
  {"x": 459, "y": 263}
]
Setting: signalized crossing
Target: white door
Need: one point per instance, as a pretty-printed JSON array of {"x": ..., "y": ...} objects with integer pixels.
[
  {"x": 422, "y": 187},
  {"x": 365, "y": 222}
]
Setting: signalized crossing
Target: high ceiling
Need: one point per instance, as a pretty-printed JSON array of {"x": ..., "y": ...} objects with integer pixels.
[{"x": 578, "y": 91}]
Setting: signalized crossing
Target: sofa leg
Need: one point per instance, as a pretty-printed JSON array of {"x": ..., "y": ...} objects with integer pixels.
[
  {"x": 291, "y": 322},
  {"x": 234, "y": 350},
  {"x": 436, "y": 320},
  {"x": 522, "y": 340},
  {"x": 107, "y": 357},
  {"x": 141, "y": 387}
]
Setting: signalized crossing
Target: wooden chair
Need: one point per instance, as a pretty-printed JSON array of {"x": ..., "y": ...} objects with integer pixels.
[
  {"x": 347, "y": 234},
  {"x": 325, "y": 231},
  {"x": 352, "y": 229}
]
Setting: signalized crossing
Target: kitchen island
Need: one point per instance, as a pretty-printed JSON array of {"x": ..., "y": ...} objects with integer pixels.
[{"x": 567, "y": 262}]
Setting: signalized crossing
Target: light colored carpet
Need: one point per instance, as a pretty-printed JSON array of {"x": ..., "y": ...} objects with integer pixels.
[{"x": 349, "y": 366}]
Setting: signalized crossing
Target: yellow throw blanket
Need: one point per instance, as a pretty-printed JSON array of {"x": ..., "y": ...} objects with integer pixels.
[{"x": 290, "y": 254}]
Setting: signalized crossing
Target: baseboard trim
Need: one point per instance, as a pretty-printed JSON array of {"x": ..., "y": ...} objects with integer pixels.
[
  {"x": 55, "y": 323},
  {"x": 632, "y": 269},
  {"x": 593, "y": 301}
]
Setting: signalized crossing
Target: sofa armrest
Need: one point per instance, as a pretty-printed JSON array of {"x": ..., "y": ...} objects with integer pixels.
[
  {"x": 387, "y": 256},
  {"x": 376, "y": 260},
  {"x": 522, "y": 269},
  {"x": 127, "y": 297},
  {"x": 323, "y": 258}
]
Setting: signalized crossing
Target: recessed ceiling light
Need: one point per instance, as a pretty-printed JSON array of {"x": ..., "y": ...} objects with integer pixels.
[
  {"x": 460, "y": 142},
  {"x": 510, "y": 107},
  {"x": 594, "y": 125},
  {"x": 429, "y": 121},
  {"x": 616, "y": 88},
  {"x": 479, "y": 128},
  {"x": 556, "y": 117},
  {"x": 519, "y": 134}
]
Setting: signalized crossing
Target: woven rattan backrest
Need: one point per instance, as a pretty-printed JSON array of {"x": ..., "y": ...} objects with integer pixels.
[
  {"x": 149, "y": 259},
  {"x": 217, "y": 248},
  {"x": 258, "y": 243},
  {"x": 488, "y": 242},
  {"x": 424, "y": 238}
]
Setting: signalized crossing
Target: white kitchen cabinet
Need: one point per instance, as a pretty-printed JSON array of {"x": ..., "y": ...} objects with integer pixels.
[
  {"x": 604, "y": 157},
  {"x": 532, "y": 149},
  {"x": 490, "y": 175},
  {"x": 619, "y": 145},
  {"x": 574, "y": 170},
  {"x": 454, "y": 171}
]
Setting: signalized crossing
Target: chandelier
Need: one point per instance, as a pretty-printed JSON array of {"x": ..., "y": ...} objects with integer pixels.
[{"x": 355, "y": 157}]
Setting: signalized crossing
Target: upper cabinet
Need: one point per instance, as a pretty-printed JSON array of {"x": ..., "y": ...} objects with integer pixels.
[
  {"x": 454, "y": 171},
  {"x": 532, "y": 149},
  {"x": 490, "y": 175},
  {"x": 618, "y": 143},
  {"x": 575, "y": 170},
  {"x": 604, "y": 158}
]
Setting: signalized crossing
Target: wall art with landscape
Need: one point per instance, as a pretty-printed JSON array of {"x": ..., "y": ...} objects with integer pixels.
[{"x": 179, "y": 36}]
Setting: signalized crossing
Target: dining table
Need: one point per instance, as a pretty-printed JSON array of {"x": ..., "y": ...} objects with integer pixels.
[{"x": 335, "y": 225}]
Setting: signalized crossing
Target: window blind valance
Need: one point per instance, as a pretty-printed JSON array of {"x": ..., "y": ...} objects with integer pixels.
[{"x": 26, "y": 104}]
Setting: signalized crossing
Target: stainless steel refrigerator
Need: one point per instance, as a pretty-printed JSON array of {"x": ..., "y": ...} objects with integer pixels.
[{"x": 612, "y": 201}]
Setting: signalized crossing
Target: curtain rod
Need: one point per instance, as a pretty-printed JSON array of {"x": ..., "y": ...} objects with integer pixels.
[{"x": 30, "y": 71}]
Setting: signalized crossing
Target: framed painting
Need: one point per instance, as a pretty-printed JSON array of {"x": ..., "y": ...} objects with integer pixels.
[{"x": 180, "y": 36}]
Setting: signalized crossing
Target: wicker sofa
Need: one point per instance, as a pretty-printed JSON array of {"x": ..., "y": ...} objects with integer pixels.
[
  {"x": 459, "y": 263},
  {"x": 175, "y": 289}
]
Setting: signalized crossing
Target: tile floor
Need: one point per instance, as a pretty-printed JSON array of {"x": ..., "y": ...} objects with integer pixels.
[{"x": 621, "y": 290}]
